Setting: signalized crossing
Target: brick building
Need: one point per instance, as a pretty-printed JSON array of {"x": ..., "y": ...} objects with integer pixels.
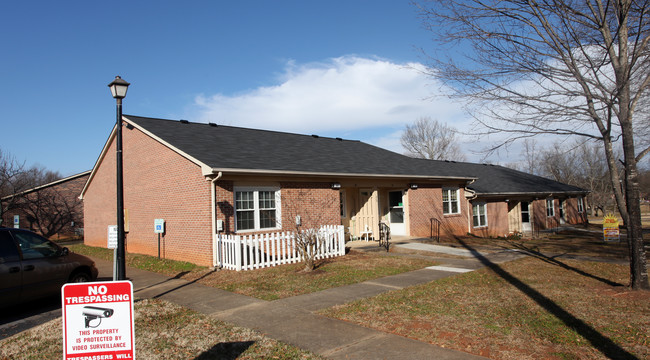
[
  {"x": 52, "y": 210},
  {"x": 207, "y": 178}
]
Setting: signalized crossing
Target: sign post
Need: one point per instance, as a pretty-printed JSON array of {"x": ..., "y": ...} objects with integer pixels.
[
  {"x": 98, "y": 320},
  {"x": 159, "y": 228},
  {"x": 112, "y": 244}
]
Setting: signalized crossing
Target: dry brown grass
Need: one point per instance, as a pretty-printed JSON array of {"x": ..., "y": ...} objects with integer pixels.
[
  {"x": 534, "y": 308},
  {"x": 163, "y": 331},
  {"x": 290, "y": 280},
  {"x": 578, "y": 242}
]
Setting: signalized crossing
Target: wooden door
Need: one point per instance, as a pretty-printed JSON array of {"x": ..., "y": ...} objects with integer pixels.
[{"x": 368, "y": 215}]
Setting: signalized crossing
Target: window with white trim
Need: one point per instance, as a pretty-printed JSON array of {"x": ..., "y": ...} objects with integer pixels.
[
  {"x": 257, "y": 208},
  {"x": 342, "y": 203},
  {"x": 581, "y": 204},
  {"x": 479, "y": 214},
  {"x": 550, "y": 207},
  {"x": 450, "y": 201}
]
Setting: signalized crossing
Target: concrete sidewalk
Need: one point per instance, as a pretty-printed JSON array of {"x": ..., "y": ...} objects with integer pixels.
[{"x": 294, "y": 321}]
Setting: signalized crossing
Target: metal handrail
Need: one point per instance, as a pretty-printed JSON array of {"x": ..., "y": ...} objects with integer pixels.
[{"x": 435, "y": 229}]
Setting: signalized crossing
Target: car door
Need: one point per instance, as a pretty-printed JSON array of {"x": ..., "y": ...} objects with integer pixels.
[
  {"x": 10, "y": 271},
  {"x": 44, "y": 270}
]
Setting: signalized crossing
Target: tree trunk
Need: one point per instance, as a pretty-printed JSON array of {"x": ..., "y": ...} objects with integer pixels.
[{"x": 638, "y": 264}]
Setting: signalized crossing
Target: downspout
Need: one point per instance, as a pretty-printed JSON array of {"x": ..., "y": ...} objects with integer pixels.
[
  {"x": 469, "y": 198},
  {"x": 213, "y": 206}
]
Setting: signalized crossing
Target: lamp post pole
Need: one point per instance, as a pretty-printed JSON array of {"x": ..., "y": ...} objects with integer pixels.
[{"x": 118, "y": 89}]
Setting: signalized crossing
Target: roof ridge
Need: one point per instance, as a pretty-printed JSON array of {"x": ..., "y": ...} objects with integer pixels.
[{"x": 239, "y": 127}]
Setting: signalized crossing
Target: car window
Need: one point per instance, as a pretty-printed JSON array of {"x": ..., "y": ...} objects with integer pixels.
[
  {"x": 8, "y": 250},
  {"x": 34, "y": 246}
]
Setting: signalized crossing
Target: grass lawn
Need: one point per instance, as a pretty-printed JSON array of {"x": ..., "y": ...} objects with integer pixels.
[
  {"x": 532, "y": 308},
  {"x": 276, "y": 282},
  {"x": 163, "y": 331},
  {"x": 580, "y": 242},
  {"x": 138, "y": 261}
]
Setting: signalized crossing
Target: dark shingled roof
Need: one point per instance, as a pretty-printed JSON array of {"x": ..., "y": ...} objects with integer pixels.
[
  {"x": 495, "y": 179},
  {"x": 235, "y": 148}
]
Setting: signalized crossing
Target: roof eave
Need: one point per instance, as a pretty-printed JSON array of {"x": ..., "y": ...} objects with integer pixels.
[
  {"x": 236, "y": 171},
  {"x": 539, "y": 193}
]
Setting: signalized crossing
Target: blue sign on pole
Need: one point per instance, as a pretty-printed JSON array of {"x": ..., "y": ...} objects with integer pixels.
[{"x": 159, "y": 226}]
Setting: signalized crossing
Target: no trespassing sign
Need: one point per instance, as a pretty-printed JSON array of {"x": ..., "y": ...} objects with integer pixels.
[{"x": 98, "y": 321}]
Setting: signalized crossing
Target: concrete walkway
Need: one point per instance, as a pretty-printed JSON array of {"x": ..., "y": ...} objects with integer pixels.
[{"x": 294, "y": 321}]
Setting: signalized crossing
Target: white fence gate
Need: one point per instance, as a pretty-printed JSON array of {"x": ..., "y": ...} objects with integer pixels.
[{"x": 246, "y": 252}]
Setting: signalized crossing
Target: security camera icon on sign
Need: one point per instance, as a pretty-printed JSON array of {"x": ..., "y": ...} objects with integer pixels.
[{"x": 92, "y": 313}]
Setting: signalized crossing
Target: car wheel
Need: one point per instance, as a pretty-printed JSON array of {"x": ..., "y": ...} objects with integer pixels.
[{"x": 80, "y": 277}]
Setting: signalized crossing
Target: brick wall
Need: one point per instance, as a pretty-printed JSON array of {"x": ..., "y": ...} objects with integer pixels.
[
  {"x": 425, "y": 203},
  {"x": 497, "y": 220},
  {"x": 158, "y": 184},
  {"x": 316, "y": 203},
  {"x": 573, "y": 216}
]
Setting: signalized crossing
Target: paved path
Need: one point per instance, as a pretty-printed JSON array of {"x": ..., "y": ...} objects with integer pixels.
[{"x": 294, "y": 321}]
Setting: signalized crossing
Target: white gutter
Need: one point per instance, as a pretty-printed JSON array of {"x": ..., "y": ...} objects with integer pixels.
[
  {"x": 338, "y": 174},
  {"x": 469, "y": 198},
  {"x": 214, "y": 216}
]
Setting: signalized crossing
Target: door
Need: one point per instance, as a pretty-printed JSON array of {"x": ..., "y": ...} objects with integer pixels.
[
  {"x": 367, "y": 219},
  {"x": 562, "y": 211},
  {"x": 10, "y": 272},
  {"x": 396, "y": 212},
  {"x": 44, "y": 270},
  {"x": 525, "y": 217}
]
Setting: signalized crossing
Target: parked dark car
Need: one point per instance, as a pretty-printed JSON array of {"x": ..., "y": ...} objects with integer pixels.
[{"x": 32, "y": 267}]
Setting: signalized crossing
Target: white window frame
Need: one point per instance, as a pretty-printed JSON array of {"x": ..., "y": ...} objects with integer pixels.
[
  {"x": 476, "y": 214},
  {"x": 256, "y": 207},
  {"x": 550, "y": 210},
  {"x": 446, "y": 209},
  {"x": 581, "y": 204}
]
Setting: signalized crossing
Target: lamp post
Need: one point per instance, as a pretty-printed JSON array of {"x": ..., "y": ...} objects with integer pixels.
[{"x": 118, "y": 89}]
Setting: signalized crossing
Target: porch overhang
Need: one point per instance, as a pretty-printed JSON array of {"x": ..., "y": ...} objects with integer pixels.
[{"x": 271, "y": 172}]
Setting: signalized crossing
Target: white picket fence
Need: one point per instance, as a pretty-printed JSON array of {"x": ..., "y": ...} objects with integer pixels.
[{"x": 247, "y": 252}]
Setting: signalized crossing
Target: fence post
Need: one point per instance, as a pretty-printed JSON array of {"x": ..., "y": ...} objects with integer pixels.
[
  {"x": 238, "y": 254},
  {"x": 341, "y": 234},
  {"x": 256, "y": 250},
  {"x": 214, "y": 250}
]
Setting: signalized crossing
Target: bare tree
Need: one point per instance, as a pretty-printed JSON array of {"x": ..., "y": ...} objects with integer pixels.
[
  {"x": 429, "y": 139},
  {"x": 567, "y": 68},
  {"x": 12, "y": 183},
  {"x": 309, "y": 209},
  {"x": 581, "y": 164},
  {"x": 50, "y": 212},
  {"x": 47, "y": 209}
]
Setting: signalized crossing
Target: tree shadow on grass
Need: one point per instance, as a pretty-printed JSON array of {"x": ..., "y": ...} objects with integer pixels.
[
  {"x": 183, "y": 285},
  {"x": 226, "y": 350},
  {"x": 178, "y": 276},
  {"x": 600, "y": 342},
  {"x": 554, "y": 261}
]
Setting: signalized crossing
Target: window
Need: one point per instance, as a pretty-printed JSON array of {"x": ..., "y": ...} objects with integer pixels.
[
  {"x": 257, "y": 208},
  {"x": 581, "y": 205},
  {"x": 550, "y": 207},
  {"x": 342, "y": 203},
  {"x": 34, "y": 247},
  {"x": 8, "y": 251},
  {"x": 479, "y": 214},
  {"x": 450, "y": 201}
]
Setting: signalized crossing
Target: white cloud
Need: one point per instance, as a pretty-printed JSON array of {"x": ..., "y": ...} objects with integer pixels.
[{"x": 350, "y": 97}]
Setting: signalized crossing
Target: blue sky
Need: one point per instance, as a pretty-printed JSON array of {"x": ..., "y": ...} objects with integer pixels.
[{"x": 335, "y": 68}]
